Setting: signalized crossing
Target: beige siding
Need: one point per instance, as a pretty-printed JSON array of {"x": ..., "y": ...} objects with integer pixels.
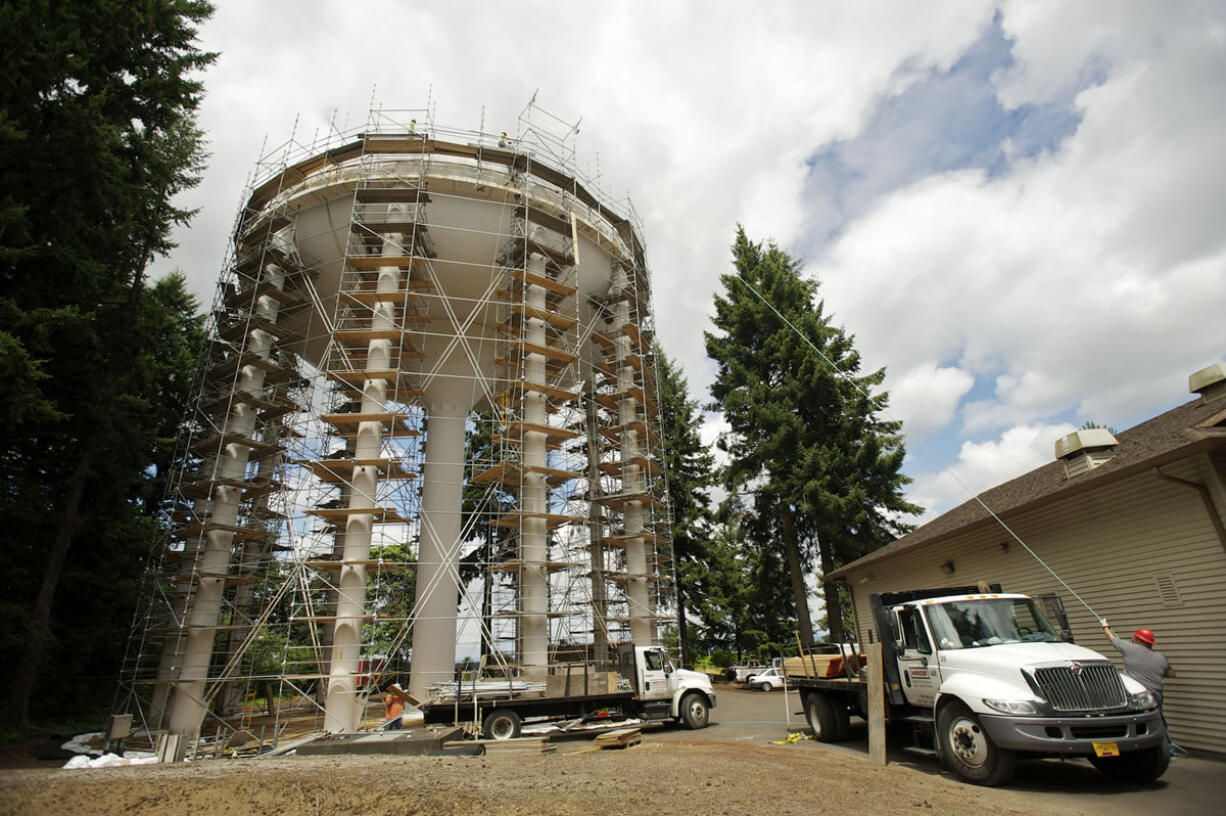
[{"x": 1109, "y": 545}]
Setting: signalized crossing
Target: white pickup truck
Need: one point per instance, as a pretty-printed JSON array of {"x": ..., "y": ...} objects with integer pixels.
[{"x": 984, "y": 677}]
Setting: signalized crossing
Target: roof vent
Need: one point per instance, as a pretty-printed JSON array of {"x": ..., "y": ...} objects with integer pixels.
[
  {"x": 1209, "y": 382},
  {"x": 1084, "y": 450}
]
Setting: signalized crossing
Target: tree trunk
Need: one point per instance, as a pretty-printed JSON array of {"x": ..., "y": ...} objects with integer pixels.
[
  {"x": 792, "y": 545},
  {"x": 39, "y": 635},
  {"x": 683, "y": 642},
  {"x": 834, "y": 608}
]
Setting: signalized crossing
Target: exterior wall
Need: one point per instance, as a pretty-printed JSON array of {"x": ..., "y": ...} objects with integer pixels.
[{"x": 1113, "y": 546}]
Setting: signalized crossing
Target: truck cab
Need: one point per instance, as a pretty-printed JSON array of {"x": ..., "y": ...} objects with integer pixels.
[
  {"x": 990, "y": 676},
  {"x": 663, "y": 691}
]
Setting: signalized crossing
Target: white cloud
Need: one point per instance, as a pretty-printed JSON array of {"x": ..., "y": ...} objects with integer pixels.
[
  {"x": 982, "y": 465},
  {"x": 926, "y": 396},
  {"x": 704, "y": 123},
  {"x": 1083, "y": 280}
]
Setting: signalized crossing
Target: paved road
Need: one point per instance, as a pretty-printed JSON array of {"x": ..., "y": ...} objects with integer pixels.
[{"x": 759, "y": 718}]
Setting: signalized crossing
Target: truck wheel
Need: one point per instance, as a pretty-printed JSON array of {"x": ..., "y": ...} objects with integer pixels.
[
  {"x": 842, "y": 720},
  {"x": 1145, "y": 765},
  {"x": 820, "y": 713},
  {"x": 501, "y": 724},
  {"x": 694, "y": 711},
  {"x": 968, "y": 751}
]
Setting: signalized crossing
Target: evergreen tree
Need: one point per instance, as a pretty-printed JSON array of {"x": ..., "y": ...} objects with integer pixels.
[
  {"x": 690, "y": 468},
  {"x": 823, "y": 467},
  {"x": 97, "y": 135}
]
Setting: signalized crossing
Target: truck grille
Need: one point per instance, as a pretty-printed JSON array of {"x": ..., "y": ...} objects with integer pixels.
[{"x": 1081, "y": 686}]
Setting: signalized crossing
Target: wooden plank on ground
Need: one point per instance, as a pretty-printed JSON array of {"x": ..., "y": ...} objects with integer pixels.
[
  {"x": 501, "y": 747},
  {"x": 621, "y": 738},
  {"x": 876, "y": 705}
]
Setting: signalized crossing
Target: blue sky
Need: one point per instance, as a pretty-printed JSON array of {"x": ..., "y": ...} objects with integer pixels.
[{"x": 1016, "y": 207}]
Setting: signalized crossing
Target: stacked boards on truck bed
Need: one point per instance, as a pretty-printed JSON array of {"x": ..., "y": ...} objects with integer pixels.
[{"x": 822, "y": 665}]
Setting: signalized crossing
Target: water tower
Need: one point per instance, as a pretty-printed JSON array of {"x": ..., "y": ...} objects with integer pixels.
[{"x": 390, "y": 298}]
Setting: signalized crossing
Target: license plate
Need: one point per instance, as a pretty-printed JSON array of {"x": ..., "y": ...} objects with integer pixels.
[{"x": 1106, "y": 749}]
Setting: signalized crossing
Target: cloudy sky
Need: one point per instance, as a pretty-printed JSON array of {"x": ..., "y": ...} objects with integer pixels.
[{"x": 1016, "y": 207}]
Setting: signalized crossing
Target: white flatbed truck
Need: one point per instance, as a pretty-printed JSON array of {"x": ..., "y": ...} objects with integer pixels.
[
  {"x": 982, "y": 678},
  {"x": 654, "y": 690}
]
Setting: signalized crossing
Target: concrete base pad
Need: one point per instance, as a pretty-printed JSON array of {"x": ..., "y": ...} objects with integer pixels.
[{"x": 404, "y": 743}]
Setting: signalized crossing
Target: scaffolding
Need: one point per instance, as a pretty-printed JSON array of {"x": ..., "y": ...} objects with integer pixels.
[{"x": 426, "y": 427}]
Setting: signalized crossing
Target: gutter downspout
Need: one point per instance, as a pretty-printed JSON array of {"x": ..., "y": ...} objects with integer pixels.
[{"x": 1214, "y": 517}]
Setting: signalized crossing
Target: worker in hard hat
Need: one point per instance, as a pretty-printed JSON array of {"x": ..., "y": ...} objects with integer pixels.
[
  {"x": 502, "y": 139},
  {"x": 1145, "y": 664},
  {"x": 393, "y": 700}
]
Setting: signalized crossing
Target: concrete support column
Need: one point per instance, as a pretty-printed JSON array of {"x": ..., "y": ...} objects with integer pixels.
[
  {"x": 434, "y": 630},
  {"x": 188, "y": 706},
  {"x": 341, "y": 709},
  {"x": 642, "y": 614},
  {"x": 534, "y": 499}
]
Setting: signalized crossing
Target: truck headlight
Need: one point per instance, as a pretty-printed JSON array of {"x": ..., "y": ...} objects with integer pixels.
[
  {"x": 1142, "y": 701},
  {"x": 1018, "y": 707}
]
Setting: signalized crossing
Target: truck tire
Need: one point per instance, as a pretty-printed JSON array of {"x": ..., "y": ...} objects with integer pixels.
[
  {"x": 842, "y": 719},
  {"x": 968, "y": 751},
  {"x": 822, "y": 718},
  {"x": 500, "y": 724},
  {"x": 694, "y": 711},
  {"x": 1144, "y": 765}
]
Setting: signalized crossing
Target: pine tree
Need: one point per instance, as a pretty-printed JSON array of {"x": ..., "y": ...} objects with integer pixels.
[
  {"x": 97, "y": 135},
  {"x": 808, "y": 443},
  {"x": 690, "y": 468}
]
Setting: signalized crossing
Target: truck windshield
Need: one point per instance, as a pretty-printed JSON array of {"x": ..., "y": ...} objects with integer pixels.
[{"x": 988, "y": 622}]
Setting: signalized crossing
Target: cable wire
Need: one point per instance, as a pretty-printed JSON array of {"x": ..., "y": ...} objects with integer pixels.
[{"x": 863, "y": 392}]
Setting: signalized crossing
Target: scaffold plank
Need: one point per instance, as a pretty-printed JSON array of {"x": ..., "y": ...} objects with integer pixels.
[
  {"x": 366, "y": 335},
  {"x": 549, "y": 352},
  {"x": 204, "y": 528},
  {"x": 379, "y": 515},
  {"x": 543, "y": 281},
  {"x": 622, "y": 539},
  {"x": 619, "y": 501},
  {"x": 336, "y": 471},
  {"x": 558, "y": 321},
  {"x": 373, "y": 263},
  {"x": 394, "y": 423},
  {"x": 554, "y": 392},
  {"x": 336, "y": 566},
  {"x": 517, "y": 564},
  {"x": 220, "y": 441},
  {"x": 369, "y": 297},
  {"x": 511, "y": 473},
  {"x": 552, "y": 520},
  {"x": 266, "y": 288}
]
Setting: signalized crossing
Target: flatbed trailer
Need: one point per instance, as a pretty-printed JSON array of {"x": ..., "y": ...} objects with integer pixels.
[{"x": 661, "y": 693}]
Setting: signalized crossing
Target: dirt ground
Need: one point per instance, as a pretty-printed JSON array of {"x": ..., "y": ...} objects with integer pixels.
[{"x": 675, "y": 777}]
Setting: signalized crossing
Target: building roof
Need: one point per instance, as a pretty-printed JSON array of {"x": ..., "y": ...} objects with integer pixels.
[{"x": 1194, "y": 427}]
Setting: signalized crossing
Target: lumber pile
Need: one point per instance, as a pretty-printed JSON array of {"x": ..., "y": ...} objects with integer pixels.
[
  {"x": 816, "y": 665},
  {"x": 621, "y": 738},
  {"x": 508, "y": 747}
]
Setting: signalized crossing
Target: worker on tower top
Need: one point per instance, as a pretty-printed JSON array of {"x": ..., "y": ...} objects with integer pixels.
[{"x": 502, "y": 139}]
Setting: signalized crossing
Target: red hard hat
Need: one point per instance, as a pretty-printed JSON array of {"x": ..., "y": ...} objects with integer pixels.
[{"x": 1146, "y": 635}]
